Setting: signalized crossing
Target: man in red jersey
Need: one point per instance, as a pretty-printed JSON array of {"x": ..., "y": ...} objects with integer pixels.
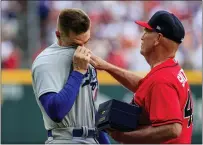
[{"x": 164, "y": 93}]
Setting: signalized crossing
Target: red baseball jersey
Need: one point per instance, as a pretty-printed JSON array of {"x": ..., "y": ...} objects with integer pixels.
[{"x": 164, "y": 94}]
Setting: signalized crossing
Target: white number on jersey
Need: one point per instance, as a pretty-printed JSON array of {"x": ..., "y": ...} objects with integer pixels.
[{"x": 182, "y": 77}]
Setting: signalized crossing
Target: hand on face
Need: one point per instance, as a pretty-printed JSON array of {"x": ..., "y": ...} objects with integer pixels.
[
  {"x": 81, "y": 59},
  {"x": 98, "y": 62}
]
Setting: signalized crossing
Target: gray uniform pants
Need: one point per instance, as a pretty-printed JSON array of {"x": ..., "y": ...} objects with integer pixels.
[{"x": 64, "y": 136}]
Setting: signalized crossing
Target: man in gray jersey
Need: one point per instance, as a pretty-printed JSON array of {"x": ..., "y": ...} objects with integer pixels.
[{"x": 65, "y": 84}]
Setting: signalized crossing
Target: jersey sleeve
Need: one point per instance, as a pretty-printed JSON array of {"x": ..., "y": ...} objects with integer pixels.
[
  {"x": 163, "y": 105},
  {"x": 49, "y": 76}
]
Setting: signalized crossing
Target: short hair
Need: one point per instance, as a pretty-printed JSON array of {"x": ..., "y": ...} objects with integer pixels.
[{"x": 74, "y": 20}]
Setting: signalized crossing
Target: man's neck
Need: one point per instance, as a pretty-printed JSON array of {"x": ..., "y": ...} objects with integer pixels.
[
  {"x": 160, "y": 55},
  {"x": 62, "y": 44},
  {"x": 157, "y": 60}
]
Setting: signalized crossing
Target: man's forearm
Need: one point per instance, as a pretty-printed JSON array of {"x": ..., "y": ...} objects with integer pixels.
[
  {"x": 127, "y": 78},
  {"x": 150, "y": 135},
  {"x": 57, "y": 105}
]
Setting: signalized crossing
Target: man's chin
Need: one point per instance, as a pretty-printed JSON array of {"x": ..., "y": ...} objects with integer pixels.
[{"x": 141, "y": 52}]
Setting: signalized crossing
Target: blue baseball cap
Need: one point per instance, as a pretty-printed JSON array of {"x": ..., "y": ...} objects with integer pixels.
[{"x": 167, "y": 24}]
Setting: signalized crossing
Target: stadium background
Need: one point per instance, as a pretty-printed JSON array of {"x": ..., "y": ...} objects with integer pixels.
[{"x": 28, "y": 27}]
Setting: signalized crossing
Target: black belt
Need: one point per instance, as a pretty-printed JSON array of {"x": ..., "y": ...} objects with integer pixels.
[{"x": 79, "y": 133}]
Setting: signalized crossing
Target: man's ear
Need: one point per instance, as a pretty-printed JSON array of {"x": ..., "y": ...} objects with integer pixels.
[
  {"x": 57, "y": 34},
  {"x": 158, "y": 40},
  {"x": 58, "y": 37}
]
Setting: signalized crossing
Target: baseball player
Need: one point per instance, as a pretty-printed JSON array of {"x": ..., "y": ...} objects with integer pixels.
[
  {"x": 65, "y": 84},
  {"x": 164, "y": 93}
]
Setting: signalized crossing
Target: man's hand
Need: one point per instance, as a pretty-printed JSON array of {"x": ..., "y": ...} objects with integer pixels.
[
  {"x": 116, "y": 135},
  {"x": 98, "y": 62},
  {"x": 148, "y": 134},
  {"x": 81, "y": 59}
]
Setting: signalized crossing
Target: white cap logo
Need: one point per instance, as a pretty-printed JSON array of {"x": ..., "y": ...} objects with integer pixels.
[{"x": 159, "y": 28}]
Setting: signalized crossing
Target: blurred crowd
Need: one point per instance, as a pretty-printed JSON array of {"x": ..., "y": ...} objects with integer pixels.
[{"x": 114, "y": 35}]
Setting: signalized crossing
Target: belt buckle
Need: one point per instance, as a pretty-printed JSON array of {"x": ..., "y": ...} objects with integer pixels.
[
  {"x": 85, "y": 131},
  {"x": 89, "y": 132}
]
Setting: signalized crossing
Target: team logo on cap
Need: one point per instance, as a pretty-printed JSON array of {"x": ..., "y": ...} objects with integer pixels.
[{"x": 158, "y": 28}]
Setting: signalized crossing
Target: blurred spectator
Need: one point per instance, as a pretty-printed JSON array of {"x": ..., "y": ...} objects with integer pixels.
[
  {"x": 116, "y": 56},
  {"x": 197, "y": 58},
  {"x": 10, "y": 57},
  {"x": 10, "y": 53},
  {"x": 197, "y": 27}
]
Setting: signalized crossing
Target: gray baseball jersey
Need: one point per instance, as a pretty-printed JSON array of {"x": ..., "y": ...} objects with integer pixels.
[{"x": 50, "y": 71}]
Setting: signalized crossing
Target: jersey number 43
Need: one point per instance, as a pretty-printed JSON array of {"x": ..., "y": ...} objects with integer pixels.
[{"x": 188, "y": 110}]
